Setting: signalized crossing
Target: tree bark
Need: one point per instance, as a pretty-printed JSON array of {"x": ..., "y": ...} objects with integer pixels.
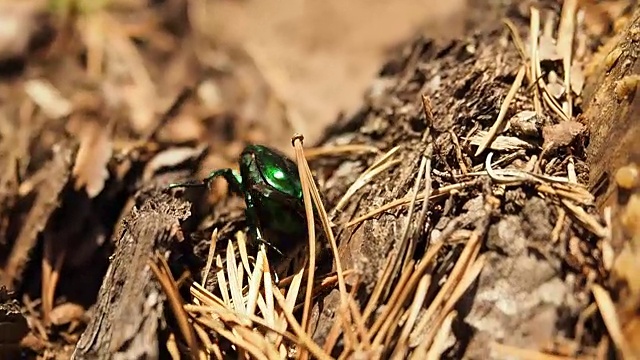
[
  {"x": 612, "y": 109},
  {"x": 129, "y": 313}
]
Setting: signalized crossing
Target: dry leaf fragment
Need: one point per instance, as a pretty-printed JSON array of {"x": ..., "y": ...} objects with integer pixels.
[
  {"x": 525, "y": 123},
  {"x": 96, "y": 148},
  {"x": 50, "y": 100},
  {"x": 547, "y": 49},
  {"x": 577, "y": 78},
  {"x": 66, "y": 313},
  {"x": 562, "y": 134},
  {"x": 555, "y": 87},
  {"x": 501, "y": 143}
]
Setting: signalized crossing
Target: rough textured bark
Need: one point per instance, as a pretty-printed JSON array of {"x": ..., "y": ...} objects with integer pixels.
[
  {"x": 128, "y": 314},
  {"x": 612, "y": 109}
]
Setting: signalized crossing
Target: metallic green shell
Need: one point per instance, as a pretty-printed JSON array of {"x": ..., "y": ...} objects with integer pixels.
[{"x": 273, "y": 167}]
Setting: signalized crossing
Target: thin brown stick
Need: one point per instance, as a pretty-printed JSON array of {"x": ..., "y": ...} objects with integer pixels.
[
  {"x": 534, "y": 33},
  {"x": 449, "y": 286},
  {"x": 565, "y": 47},
  {"x": 420, "y": 295},
  {"x": 403, "y": 256},
  {"x": 163, "y": 274},
  {"x": 304, "y": 338},
  {"x": 308, "y": 207},
  {"x": 297, "y": 142},
  {"x": 435, "y": 194},
  {"x": 503, "y": 112},
  {"x": 316, "y": 152},
  {"x": 517, "y": 40},
  {"x": 210, "y": 256}
]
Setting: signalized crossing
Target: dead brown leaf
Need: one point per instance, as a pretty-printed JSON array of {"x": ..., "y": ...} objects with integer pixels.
[
  {"x": 96, "y": 148},
  {"x": 561, "y": 134},
  {"x": 66, "y": 313},
  {"x": 525, "y": 123},
  {"x": 48, "y": 98},
  {"x": 501, "y": 143}
]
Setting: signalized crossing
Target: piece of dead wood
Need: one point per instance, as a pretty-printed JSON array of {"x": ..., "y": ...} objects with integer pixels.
[
  {"x": 127, "y": 316},
  {"x": 96, "y": 147},
  {"x": 51, "y": 180}
]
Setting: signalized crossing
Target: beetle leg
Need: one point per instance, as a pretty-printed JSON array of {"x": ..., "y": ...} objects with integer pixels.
[
  {"x": 262, "y": 240},
  {"x": 233, "y": 179},
  {"x": 254, "y": 224}
]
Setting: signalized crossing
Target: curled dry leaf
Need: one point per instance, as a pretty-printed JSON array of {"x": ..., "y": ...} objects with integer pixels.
[{"x": 90, "y": 170}]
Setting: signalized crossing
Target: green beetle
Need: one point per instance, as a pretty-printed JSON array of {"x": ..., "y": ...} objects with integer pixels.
[{"x": 270, "y": 184}]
